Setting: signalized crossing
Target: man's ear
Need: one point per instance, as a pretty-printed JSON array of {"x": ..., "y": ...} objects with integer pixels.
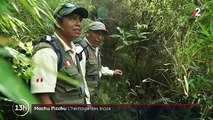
[
  {"x": 87, "y": 34},
  {"x": 58, "y": 23}
]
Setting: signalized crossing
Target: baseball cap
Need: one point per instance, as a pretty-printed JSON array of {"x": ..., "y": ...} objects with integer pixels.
[
  {"x": 68, "y": 8},
  {"x": 98, "y": 26}
]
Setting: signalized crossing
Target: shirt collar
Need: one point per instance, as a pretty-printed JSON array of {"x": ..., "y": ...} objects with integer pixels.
[
  {"x": 66, "y": 47},
  {"x": 90, "y": 44},
  {"x": 94, "y": 48}
]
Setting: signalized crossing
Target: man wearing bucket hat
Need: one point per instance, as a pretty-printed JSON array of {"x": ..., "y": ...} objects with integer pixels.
[
  {"x": 57, "y": 54},
  {"x": 90, "y": 60}
]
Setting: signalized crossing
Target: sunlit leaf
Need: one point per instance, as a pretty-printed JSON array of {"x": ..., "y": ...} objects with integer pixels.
[
  {"x": 118, "y": 28},
  {"x": 125, "y": 42},
  {"x": 14, "y": 6},
  {"x": 13, "y": 26},
  {"x": 119, "y": 47},
  {"x": 32, "y": 2},
  {"x": 143, "y": 35},
  {"x": 37, "y": 12},
  {"x": 29, "y": 44},
  {"x": 43, "y": 12},
  {"x": 115, "y": 36},
  {"x": 133, "y": 92},
  {"x": 129, "y": 35},
  {"x": 138, "y": 26},
  {"x": 19, "y": 22}
]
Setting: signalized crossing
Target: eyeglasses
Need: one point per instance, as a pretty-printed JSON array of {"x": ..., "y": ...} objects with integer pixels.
[{"x": 66, "y": 5}]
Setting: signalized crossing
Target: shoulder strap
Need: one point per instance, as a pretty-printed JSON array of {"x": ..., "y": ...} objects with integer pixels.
[
  {"x": 84, "y": 45},
  {"x": 57, "y": 47}
]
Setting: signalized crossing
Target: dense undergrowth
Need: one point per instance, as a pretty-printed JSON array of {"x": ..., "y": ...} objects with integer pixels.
[{"x": 164, "y": 50}]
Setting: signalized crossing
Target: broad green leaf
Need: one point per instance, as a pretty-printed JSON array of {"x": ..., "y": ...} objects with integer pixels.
[
  {"x": 125, "y": 42},
  {"x": 129, "y": 35},
  {"x": 191, "y": 84},
  {"x": 133, "y": 42},
  {"x": 115, "y": 36},
  {"x": 142, "y": 35},
  {"x": 4, "y": 52},
  {"x": 12, "y": 86},
  {"x": 119, "y": 47}
]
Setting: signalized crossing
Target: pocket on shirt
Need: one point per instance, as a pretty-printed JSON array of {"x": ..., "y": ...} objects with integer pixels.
[
  {"x": 72, "y": 72},
  {"x": 92, "y": 62}
]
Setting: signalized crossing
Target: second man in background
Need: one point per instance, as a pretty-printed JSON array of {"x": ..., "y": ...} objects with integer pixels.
[{"x": 90, "y": 60}]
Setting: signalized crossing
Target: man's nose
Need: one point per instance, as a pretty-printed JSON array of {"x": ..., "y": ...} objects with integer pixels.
[
  {"x": 100, "y": 37},
  {"x": 78, "y": 22}
]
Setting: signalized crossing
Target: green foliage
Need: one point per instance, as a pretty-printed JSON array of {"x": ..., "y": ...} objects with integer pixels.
[
  {"x": 173, "y": 65},
  {"x": 31, "y": 9},
  {"x": 13, "y": 87},
  {"x": 165, "y": 52},
  {"x": 129, "y": 38},
  {"x": 16, "y": 32}
]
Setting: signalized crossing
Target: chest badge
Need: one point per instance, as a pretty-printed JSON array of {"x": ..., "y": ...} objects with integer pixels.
[{"x": 68, "y": 62}]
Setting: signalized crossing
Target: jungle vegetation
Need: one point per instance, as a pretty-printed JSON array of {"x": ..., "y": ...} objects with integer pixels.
[{"x": 163, "y": 48}]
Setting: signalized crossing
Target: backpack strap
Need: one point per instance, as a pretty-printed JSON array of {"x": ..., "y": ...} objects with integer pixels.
[
  {"x": 84, "y": 45},
  {"x": 57, "y": 47}
]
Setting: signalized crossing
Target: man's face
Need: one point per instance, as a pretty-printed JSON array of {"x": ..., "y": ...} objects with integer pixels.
[
  {"x": 71, "y": 26},
  {"x": 95, "y": 37}
]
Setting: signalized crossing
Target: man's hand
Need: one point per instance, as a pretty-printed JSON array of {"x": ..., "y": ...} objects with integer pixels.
[
  {"x": 44, "y": 98},
  {"x": 117, "y": 72}
]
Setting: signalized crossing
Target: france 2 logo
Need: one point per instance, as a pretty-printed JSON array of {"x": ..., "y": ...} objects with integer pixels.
[{"x": 196, "y": 12}]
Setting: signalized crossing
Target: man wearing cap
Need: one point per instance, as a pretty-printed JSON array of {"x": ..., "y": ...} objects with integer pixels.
[
  {"x": 90, "y": 57},
  {"x": 44, "y": 82}
]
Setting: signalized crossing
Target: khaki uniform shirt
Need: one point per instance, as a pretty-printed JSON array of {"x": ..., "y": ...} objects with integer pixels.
[{"x": 44, "y": 76}]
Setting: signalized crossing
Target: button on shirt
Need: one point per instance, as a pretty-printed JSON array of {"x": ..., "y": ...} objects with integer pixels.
[{"x": 44, "y": 76}]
